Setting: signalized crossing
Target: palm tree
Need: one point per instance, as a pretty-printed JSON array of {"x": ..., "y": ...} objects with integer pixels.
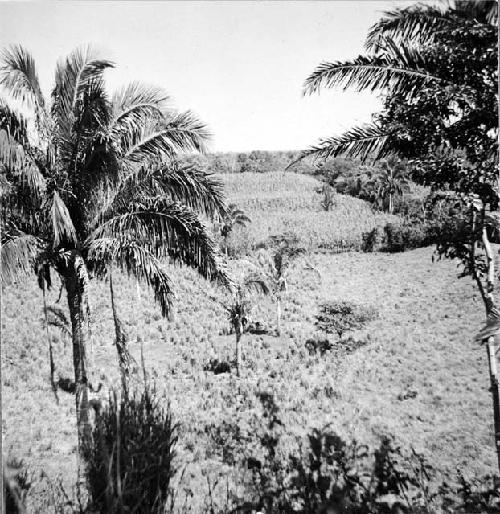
[
  {"x": 275, "y": 268},
  {"x": 390, "y": 182},
  {"x": 240, "y": 307},
  {"x": 88, "y": 180},
  {"x": 233, "y": 217}
]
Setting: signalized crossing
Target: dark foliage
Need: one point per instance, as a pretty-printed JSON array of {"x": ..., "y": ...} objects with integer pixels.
[
  {"x": 341, "y": 316},
  {"x": 131, "y": 460},
  {"x": 217, "y": 367}
]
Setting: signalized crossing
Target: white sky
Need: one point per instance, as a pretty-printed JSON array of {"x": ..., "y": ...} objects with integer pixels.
[{"x": 239, "y": 65}]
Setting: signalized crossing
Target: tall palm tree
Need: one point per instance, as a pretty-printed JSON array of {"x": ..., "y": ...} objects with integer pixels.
[
  {"x": 391, "y": 181},
  {"x": 88, "y": 180}
]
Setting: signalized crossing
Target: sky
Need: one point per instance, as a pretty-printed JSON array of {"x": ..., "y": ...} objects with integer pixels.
[{"x": 239, "y": 65}]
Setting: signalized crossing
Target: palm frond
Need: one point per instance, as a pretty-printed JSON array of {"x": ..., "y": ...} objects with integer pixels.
[
  {"x": 62, "y": 225},
  {"x": 416, "y": 24},
  {"x": 421, "y": 24},
  {"x": 19, "y": 77},
  {"x": 404, "y": 70},
  {"x": 20, "y": 165},
  {"x": 133, "y": 106},
  {"x": 13, "y": 122},
  {"x": 254, "y": 281},
  {"x": 19, "y": 253},
  {"x": 167, "y": 229},
  {"x": 180, "y": 133},
  {"x": 200, "y": 191},
  {"x": 73, "y": 77},
  {"x": 135, "y": 259},
  {"x": 138, "y": 93},
  {"x": 359, "y": 142}
]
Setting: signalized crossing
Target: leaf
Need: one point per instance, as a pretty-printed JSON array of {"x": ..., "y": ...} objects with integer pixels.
[
  {"x": 359, "y": 142},
  {"x": 18, "y": 256},
  {"x": 167, "y": 229},
  {"x": 402, "y": 70},
  {"x": 135, "y": 259},
  {"x": 62, "y": 225},
  {"x": 19, "y": 77}
]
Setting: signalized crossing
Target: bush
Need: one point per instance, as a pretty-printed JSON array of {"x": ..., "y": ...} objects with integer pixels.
[
  {"x": 217, "y": 367},
  {"x": 371, "y": 240},
  {"x": 315, "y": 346},
  {"x": 239, "y": 243},
  {"x": 130, "y": 463},
  {"x": 405, "y": 236},
  {"x": 340, "y": 317}
]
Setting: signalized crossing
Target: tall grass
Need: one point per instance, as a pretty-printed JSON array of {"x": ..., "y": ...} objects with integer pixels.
[{"x": 278, "y": 203}]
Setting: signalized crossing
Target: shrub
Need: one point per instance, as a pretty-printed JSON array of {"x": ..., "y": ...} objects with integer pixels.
[
  {"x": 217, "y": 367},
  {"x": 238, "y": 243},
  {"x": 315, "y": 346},
  {"x": 405, "y": 236},
  {"x": 339, "y": 317},
  {"x": 130, "y": 462},
  {"x": 371, "y": 240}
]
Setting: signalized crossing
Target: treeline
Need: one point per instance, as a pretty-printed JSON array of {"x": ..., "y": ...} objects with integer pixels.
[{"x": 259, "y": 161}]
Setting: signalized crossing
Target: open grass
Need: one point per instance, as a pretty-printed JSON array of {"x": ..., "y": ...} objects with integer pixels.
[{"x": 419, "y": 376}]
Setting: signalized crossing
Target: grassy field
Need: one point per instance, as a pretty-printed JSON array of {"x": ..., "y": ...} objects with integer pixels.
[
  {"x": 419, "y": 376},
  {"x": 288, "y": 202}
]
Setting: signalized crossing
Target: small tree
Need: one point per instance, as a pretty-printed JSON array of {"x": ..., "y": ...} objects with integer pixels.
[
  {"x": 275, "y": 267},
  {"x": 240, "y": 308},
  {"x": 328, "y": 196}
]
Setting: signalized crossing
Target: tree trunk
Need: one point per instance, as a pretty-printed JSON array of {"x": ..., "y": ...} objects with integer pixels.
[
  {"x": 125, "y": 360},
  {"x": 76, "y": 288},
  {"x": 491, "y": 347},
  {"x": 391, "y": 207},
  {"x": 278, "y": 316},
  {"x": 238, "y": 331}
]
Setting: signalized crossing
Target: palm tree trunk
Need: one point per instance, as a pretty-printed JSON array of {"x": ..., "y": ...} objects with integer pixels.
[
  {"x": 76, "y": 288},
  {"x": 391, "y": 207},
  {"x": 121, "y": 338},
  {"x": 238, "y": 331}
]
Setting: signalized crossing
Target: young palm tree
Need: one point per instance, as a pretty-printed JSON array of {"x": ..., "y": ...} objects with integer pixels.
[
  {"x": 275, "y": 268},
  {"x": 88, "y": 180},
  {"x": 240, "y": 307},
  {"x": 233, "y": 217}
]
